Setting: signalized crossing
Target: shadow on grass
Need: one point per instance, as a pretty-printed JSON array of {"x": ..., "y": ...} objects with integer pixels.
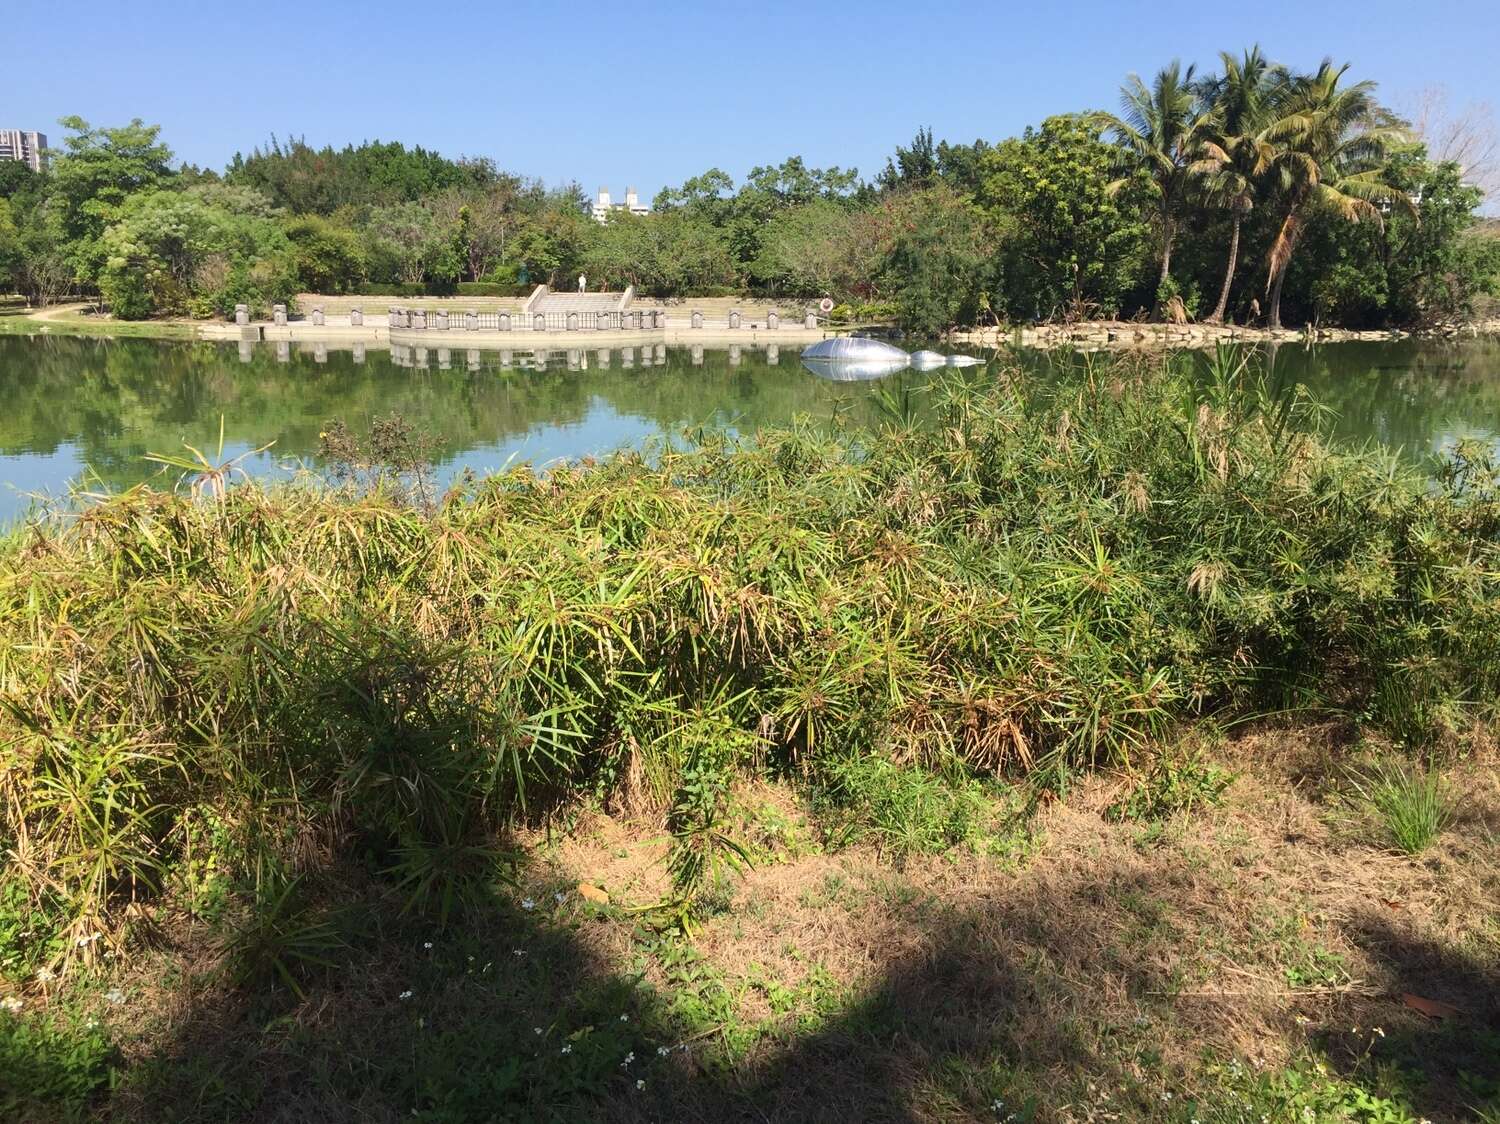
[
  {"x": 1045, "y": 1003},
  {"x": 1454, "y": 1060},
  {"x": 515, "y": 1015}
]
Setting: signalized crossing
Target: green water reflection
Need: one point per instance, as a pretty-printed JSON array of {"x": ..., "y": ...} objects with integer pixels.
[{"x": 76, "y": 406}]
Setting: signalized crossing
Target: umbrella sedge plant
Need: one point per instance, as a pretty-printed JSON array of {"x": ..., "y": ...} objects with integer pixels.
[{"x": 1029, "y": 579}]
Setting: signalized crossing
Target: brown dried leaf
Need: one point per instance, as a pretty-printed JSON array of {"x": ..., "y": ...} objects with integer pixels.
[
  {"x": 593, "y": 893},
  {"x": 1432, "y": 1008}
]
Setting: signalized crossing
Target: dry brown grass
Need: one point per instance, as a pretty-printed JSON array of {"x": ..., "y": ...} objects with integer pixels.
[{"x": 1193, "y": 935}]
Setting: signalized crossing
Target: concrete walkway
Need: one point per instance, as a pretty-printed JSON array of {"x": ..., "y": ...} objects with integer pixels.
[{"x": 676, "y": 332}]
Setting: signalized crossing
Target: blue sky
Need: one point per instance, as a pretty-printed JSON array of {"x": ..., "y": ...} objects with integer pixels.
[{"x": 648, "y": 94}]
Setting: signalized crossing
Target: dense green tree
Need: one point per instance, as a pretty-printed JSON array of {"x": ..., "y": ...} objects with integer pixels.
[
  {"x": 663, "y": 255},
  {"x": 10, "y": 248},
  {"x": 98, "y": 170},
  {"x": 18, "y": 181},
  {"x": 421, "y": 246},
  {"x": 555, "y": 243},
  {"x": 201, "y": 251},
  {"x": 1419, "y": 266},
  {"x": 916, "y": 166},
  {"x": 328, "y": 257},
  {"x": 820, "y": 248},
  {"x": 936, "y": 259},
  {"x": 300, "y": 178},
  {"x": 1071, "y": 243},
  {"x": 495, "y": 214}
]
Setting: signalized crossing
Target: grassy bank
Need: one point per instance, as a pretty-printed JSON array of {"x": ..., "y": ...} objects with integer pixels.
[
  {"x": 265, "y": 747},
  {"x": 15, "y": 319}
]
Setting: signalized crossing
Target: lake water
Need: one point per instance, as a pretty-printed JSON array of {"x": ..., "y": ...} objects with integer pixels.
[{"x": 89, "y": 410}]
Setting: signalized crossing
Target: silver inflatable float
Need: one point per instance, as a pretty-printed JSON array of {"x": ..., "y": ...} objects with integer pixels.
[
  {"x": 854, "y": 359},
  {"x": 927, "y": 360}
]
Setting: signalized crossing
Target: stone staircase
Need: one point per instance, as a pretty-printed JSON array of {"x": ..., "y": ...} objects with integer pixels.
[{"x": 544, "y": 300}]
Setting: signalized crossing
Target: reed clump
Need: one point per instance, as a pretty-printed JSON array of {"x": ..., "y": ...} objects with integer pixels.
[{"x": 1037, "y": 580}]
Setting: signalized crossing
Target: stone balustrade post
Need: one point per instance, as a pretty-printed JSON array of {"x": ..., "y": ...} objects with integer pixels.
[
  {"x": 441, "y": 318},
  {"x": 539, "y": 322},
  {"x": 471, "y": 321},
  {"x": 317, "y": 316},
  {"x": 356, "y": 318},
  {"x": 734, "y": 318},
  {"x": 810, "y": 321},
  {"x": 773, "y": 320},
  {"x": 278, "y": 315},
  {"x": 572, "y": 322},
  {"x": 419, "y": 319},
  {"x": 505, "y": 321},
  {"x": 242, "y": 314},
  {"x": 697, "y": 319}
]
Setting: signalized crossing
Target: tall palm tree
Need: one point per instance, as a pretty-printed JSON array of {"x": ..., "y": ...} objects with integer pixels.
[
  {"x": 1160, "y": 130},
  {"x": 1236, "y": 154},
  {"x": 1330, "y": 156}
]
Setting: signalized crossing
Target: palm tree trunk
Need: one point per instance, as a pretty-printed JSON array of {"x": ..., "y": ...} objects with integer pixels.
[
  {"x": 1217, "y": 317},
  {"x": 1273, "y": 317}
]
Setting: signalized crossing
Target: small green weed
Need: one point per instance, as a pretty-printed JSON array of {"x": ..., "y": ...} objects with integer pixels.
[
  {"x": 281, "y": 939},
  {"x": 908, "y": 810},
  {"x": 1413, "y": 805},
  {"x": 1305, "y": 1090},
  {"x": 1318, "y": 967},
  {"x": 1172, "y": 786},
  {"x": 28, "y": 937},
  {"x": 51, "y": 1069}
]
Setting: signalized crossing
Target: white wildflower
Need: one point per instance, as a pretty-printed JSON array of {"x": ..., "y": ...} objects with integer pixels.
[
  {"x": 663, "y": 1051},
  {"x": 44, "y": 975},
  {"x": 11, "y": 1003},
  {"x": 536, "y": 1030},
  {"x": 567, "y": 1048},
  {"x": 640, "y": 1084},
  {"x": 527, "y": 903},
  {"x": 427, "y": 945},
  {"x": 405, "y": 995},
  {"x": 624, "y": 1018},
  {"x": 115, "y": 996},
  {"x": 630, "y": 1057}
]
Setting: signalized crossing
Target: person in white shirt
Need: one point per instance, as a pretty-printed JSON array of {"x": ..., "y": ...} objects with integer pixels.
[{"x": 583, "y": 283}]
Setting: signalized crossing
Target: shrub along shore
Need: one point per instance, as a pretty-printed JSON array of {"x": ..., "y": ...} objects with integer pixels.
[{"x": 1045, "y": 580}]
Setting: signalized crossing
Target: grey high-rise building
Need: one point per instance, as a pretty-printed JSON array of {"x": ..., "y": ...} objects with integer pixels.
[{"x": 25, "y": 146}]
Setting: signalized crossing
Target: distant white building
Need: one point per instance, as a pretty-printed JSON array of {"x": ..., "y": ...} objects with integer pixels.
[
  {"x": 603, "y": 206},
  {"x": 25, "y": 146}
]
